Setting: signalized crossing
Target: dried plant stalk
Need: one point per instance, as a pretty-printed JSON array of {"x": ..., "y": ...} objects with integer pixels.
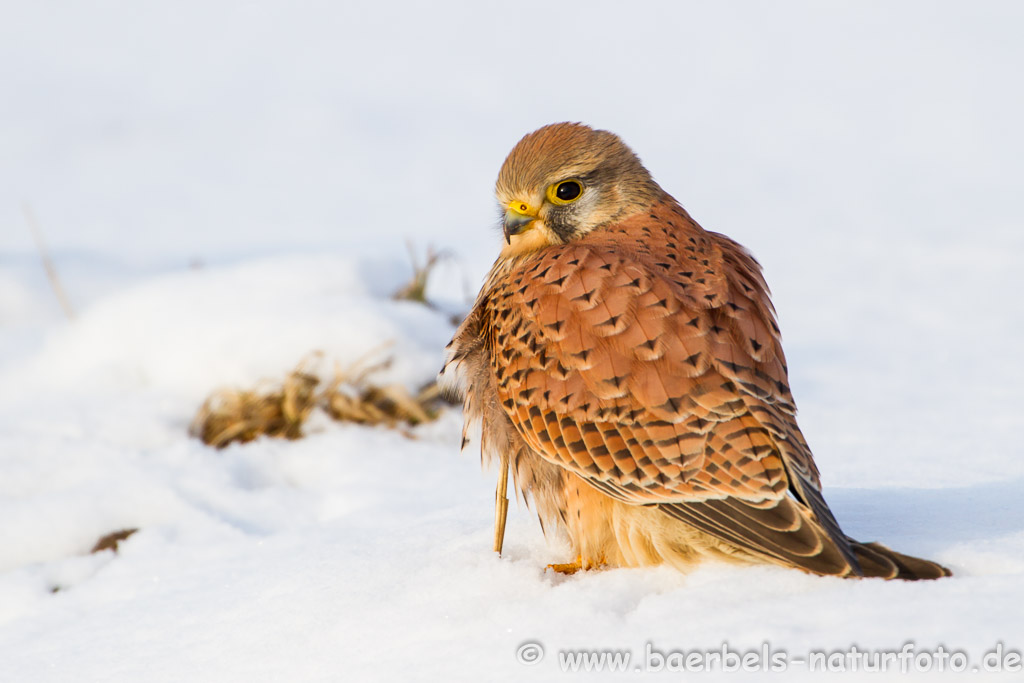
[
  {"x": 48, "y": 265},
  {"x": 416, "y": 288},
  {"x": 501, "y": 505}
]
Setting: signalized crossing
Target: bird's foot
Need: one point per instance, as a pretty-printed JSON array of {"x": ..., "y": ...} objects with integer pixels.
[{"x": 575, "y": 566}]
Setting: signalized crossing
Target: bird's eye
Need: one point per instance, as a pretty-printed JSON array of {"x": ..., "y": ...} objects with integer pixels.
[
  {"x": 565, "y": 192},
  {"x": 568, "y": 191}
]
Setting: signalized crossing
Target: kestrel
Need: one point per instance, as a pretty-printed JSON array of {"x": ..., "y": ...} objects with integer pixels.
[{"x": 627, "y": 365}]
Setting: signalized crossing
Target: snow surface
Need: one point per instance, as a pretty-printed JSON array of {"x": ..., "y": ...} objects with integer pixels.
[{"x": 227, "y": 188}]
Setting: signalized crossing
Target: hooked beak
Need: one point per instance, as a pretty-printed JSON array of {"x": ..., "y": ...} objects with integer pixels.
[{"x": 518, "y": 217}]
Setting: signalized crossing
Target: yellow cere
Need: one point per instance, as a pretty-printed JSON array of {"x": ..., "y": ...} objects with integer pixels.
[{"x": 520, "y": 207}]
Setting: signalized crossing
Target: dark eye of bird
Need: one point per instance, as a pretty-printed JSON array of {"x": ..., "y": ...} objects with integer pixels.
[{"x": 568, "y": 191}]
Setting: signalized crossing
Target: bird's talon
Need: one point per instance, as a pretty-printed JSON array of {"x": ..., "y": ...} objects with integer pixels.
[
  {"x": 576, "y": 565},
  {"x": 567, "y": 568}
]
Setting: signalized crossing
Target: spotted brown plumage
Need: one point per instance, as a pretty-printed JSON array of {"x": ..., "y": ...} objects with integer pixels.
[{"x": 629, "y": 365}]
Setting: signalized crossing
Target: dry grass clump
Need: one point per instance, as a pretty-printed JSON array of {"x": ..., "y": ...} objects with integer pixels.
[
  {"x": 281, "y": 409},
  {"x": 243, "y": 414},
  {"x": 391, "y": 405}
]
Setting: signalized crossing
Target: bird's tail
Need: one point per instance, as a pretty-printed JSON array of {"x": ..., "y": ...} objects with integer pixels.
[{"x": 877, "y": 560}]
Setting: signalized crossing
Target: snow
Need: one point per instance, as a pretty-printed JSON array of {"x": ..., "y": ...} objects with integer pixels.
[{"x": 226, "y": 189}]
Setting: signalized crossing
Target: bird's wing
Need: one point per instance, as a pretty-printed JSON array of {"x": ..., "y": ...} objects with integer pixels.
[{"x": 653, "y": 368}]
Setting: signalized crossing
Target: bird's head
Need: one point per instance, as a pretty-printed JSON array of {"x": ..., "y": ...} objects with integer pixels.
[{"x": 566, "y": 179}]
